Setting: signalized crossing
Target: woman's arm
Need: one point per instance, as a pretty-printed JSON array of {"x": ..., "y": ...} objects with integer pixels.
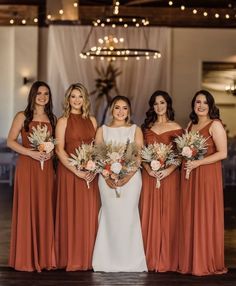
[
  {"x": 99, "y": 136},
  {"x": 218, "y": 134},
  {"x": 94, "y": 122},
  {"x": 13, "y": 134},
  {"x": 138, "y": 139}
]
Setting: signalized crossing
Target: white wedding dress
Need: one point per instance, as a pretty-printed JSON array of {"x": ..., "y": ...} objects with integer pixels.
[{"x": 119, "y": 243}]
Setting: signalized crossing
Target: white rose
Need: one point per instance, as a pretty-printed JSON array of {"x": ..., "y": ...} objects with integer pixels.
[
  {"x": 187, "y": 152},
  {"x": 116, "y": 167},
  {"x": 155, "y": 165}
]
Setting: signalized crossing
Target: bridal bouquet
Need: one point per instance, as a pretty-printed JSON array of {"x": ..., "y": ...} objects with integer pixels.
[
  {"x": 159, "y": 156},
  {"x": 41, "y": 140},
  {"x": 84, "y": 159},
  {"x": 191, "y": 146},
  {"x": 116, "y": 160}
]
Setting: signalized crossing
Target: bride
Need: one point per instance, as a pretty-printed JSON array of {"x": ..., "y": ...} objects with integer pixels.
[{"x": 119, "y": 244}]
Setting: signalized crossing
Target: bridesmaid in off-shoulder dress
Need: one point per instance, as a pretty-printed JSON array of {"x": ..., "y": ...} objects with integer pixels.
[{"x": 159, "y": 208}]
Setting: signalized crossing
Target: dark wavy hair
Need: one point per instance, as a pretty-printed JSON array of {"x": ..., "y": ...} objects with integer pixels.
[
  {"x": 151, "y": 115},
  {"x": 29, "y": 110},
  {"x": 126, "y": 100},
  {"x": 214, "y": 112}
]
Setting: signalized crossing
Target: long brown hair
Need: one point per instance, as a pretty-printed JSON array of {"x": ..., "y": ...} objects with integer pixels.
[{"x": 29, "y": 110}]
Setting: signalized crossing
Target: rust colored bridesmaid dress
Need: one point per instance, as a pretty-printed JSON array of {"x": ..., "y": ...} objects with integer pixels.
[
  {"x": 77, "y": 206},
  {"x": 201, "y": 248},
  {"x": 159, "y": 210},
  {"x": 32, "y": 232}
]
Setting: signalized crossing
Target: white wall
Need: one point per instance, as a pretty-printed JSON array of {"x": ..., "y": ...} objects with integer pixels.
[
  {"x": 190, "y": 48},
  {"x": 18, "y": 58},
  {"x": 6, "y": 78}
]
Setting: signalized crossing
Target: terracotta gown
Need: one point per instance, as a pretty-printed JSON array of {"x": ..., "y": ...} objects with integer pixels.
[
  {"x": 201, "y": 250},
  {"x": 32, "y": 231},
  {"x": 159, "y": 209},
  {"x": 77, "y": 206}
]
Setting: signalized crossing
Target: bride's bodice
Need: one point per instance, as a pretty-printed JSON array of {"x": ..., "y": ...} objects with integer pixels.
[{"x": 118, "y": 134}]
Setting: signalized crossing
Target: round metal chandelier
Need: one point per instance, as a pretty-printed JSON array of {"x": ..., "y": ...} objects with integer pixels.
[{"x": 112, "y": 48}]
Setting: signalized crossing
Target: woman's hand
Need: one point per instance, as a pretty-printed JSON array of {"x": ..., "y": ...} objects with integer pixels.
[
  {"x": 36, "y": 155},
  {"x": 163, "y": 174},
  {"x": 90, "y": 177},
  {"x": 81, "y": 174},
  {"x": 190, "y": 165},
  {"x": 111, "y": 183},
  {"x": 122, "y": 181},
  {"x": 86, "y": 175},
  {"x": 152, "y": 173},
  {"x": 48, "y": 156}
]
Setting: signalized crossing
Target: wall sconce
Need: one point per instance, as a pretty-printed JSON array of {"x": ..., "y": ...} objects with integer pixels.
[{"x": 27, "y": 80}]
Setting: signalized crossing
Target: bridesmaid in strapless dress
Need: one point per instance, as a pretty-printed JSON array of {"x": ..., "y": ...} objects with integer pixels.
[
  {"x": 201, "y": 245},
  {"x": 32, "y": 231},
  {"x": 119, "y": 244},
  {"x": 77, "y": 205},
  {"x": 159, "y": 208}
]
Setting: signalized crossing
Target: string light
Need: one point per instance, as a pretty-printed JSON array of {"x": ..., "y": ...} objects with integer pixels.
[{"x": 126, "y": 21}]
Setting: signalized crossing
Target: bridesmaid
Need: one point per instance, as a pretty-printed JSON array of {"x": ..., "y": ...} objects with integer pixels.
[
  {"x": 201, "y": 246},
  {"x": 159, "y": 208},
  {"x": 32, "y": 232},
  {"x": 77, "y": 206}
]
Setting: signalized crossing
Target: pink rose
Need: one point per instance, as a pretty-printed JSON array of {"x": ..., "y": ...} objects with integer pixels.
[
  {"x": 91, "y": 166},
  {"x": 155, "y": 165},
  {"x": 187, "y": 152}
]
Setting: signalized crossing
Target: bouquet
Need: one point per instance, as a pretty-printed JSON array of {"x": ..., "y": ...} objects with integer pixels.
[
  {"x": 84, "y": 159},
  {"x": 116, "y": 160},
  {"x": 159, "y": 156},
  {"x": 41, "y": 140},
  {"x": 191, "y": 146}
]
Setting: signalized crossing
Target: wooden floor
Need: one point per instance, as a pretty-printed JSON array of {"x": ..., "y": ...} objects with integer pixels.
[{"x": 10, "y": 277}]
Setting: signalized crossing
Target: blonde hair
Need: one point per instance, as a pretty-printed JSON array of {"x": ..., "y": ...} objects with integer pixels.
[
  {"x": 126, "y": 100},
  {"x": 86, "y": 104}
]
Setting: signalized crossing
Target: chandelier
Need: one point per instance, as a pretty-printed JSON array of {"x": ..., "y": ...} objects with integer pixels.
[{"x": 112, "y": 48}]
